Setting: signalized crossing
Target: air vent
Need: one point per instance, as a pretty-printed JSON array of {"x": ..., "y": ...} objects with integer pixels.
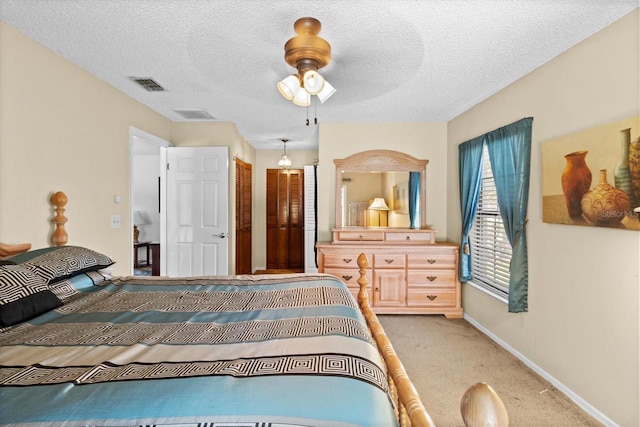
[
  {"x": 148, "y": 84},
  {"x": 195, "y": 114}
]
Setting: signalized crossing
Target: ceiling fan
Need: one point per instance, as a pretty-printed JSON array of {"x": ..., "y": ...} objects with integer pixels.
[{"x": 307, "y": 52}]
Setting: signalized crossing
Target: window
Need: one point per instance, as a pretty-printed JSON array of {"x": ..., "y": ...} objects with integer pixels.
[{"x": 491, "y": 251}]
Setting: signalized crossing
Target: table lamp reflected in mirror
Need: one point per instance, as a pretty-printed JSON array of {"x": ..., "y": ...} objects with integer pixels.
[{"x": 378, "y": 213}]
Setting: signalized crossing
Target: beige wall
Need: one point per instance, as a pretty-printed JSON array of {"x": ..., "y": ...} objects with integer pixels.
[
  {"x": 582, "y": 324},
  {"x": 268, "y": 159},
  {"x": 61, "y": 128},
  {"x": 421, "y": 140}
]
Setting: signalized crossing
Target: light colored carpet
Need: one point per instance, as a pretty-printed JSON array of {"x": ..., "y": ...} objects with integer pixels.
[
  {"x": 277, "y": 271},
  {"x": 444, "y": 357}
]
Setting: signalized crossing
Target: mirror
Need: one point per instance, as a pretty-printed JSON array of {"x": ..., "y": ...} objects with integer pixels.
[{"x": 378, "y": 174}]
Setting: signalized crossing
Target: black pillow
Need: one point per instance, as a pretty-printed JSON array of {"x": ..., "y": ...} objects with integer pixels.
[{"x": 24, "y": 294}]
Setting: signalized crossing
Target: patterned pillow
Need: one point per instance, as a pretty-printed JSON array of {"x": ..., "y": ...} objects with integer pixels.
[
  {"x": 23, "y": 294},
  {"x": 62, "y": 262},
  {"x": 72, "y": 286}
]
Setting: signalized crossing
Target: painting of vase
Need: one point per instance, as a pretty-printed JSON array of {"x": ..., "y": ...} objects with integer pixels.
[
  {"x": 576, "y": 181},
  {"x": 592, "y": 178}
]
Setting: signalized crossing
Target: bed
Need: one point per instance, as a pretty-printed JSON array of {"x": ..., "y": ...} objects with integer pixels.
[{"x": 79, "y": 347}]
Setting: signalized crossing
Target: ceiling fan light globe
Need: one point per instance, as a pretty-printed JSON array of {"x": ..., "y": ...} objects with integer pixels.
[
  {"x": 288, "y": 86},
  {"x": 313, "y": 82},
  {"x": 302, "y": 98},
  {"x": 326, "y": 92}
]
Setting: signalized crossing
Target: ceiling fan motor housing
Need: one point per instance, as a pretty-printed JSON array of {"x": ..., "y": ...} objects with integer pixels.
[{"x": 307, "y": 51}]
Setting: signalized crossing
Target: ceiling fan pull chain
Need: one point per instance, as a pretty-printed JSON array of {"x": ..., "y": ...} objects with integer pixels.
[
  {"x": 315, "y": 112},
  {"x": 307, "y": 115}
]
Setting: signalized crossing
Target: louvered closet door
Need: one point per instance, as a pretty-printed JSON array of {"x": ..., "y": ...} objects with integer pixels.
[
  {"x": 285, "y": 219},
  {"x": 243, "y": 217}
]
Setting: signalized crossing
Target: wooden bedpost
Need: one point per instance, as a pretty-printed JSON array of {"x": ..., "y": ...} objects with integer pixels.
[
  {"x": 363, "y": 263},
  {"x": 481, "y": 406},
  {"x": 60, "y": 236},
  {"x": 409, "y": 397}
]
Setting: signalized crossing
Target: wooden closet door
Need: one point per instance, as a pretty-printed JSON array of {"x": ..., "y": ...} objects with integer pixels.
[
  {"x": 243, "y": 217},
  {"x": 285, "y": 219}
]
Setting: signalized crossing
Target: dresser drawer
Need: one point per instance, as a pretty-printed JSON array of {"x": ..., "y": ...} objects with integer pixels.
[
  {"x": 344, "y": 259},
  {"x": 431, "y": 298},
  {"x": 349, "y": 275},
  {"x": 432, "y": 278},
  {"x": 436, "y": 260},
  {"x": 410, "y": 237},
  {"x": 360, "y": 236},
  {"x": 350, "y": 278},
  {"x": 390, "y": 260}
]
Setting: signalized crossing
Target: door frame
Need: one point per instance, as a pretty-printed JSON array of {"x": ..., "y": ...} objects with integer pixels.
[{"x": 138, "y": 136}]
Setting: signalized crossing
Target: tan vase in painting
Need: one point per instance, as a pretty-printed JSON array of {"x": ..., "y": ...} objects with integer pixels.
[
  {"x": 576, "y": 181},
  {"x": 634, "y": 170},
  {"x": 605, "y": 205}
]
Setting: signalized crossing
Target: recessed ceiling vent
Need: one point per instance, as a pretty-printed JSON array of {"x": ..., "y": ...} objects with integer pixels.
[
  {"x": 148, "y": 84},
  {"x": 195, "y": 114}
]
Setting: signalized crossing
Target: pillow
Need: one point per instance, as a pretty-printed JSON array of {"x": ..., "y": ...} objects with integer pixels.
[
  {"x": 61, "y": 262},
  {"x": 24, "y": 294},
  {"x": 72, "y": 286},
  {"x": 6, "y": 262}
]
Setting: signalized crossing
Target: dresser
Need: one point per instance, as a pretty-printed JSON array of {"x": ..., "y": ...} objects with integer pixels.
[{"x": 408, "y": 272}]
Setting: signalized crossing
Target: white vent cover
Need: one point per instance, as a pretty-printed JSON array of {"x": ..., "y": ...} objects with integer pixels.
[{"x": 195, "y": 114}]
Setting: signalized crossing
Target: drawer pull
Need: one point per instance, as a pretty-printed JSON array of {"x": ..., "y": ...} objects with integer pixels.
[
  {"x": 432, "y": 297},
  {"x": 408, "y": 237},
  {"x": 346, "y": 260},
  {"x": 377, "y": 290},
  {"x": 388, "y": 261},
  {"x": 347, "y": 277},
  {"x": 432, "y": 278},
  {"x": 431, "y": 261}
]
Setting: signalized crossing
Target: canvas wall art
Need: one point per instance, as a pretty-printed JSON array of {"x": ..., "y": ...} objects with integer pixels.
[{"x": 592, "y": 178}]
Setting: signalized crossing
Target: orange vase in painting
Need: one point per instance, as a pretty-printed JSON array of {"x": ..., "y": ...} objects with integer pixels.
[{"x": 576, "y": 181}]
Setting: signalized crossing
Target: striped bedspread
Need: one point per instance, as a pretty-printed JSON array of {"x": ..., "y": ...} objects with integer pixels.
[{"x": 254, "y": 350}]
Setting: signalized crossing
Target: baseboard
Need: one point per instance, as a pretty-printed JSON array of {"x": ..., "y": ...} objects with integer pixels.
[{"x": 583, "y": 404}]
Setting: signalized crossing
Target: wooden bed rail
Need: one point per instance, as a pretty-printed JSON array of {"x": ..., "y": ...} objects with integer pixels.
[{"x": 408, "y": 397}]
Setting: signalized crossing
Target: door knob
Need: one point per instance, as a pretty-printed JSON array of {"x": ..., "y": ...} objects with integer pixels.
[{"x": 221, "y": 235}]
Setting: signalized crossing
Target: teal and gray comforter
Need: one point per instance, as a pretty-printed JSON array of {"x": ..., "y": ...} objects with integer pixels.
[{"x": 248, "y": 351}]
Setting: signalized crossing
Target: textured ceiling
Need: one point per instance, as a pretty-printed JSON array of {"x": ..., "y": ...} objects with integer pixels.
[{"x": 392, "y": 61}]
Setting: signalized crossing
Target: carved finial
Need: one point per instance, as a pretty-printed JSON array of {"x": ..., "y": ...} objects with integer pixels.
[
  {"x": 363, "y": 263},
  {"x": 60, "y": 236},
  {"x": 481, "y": 406}
]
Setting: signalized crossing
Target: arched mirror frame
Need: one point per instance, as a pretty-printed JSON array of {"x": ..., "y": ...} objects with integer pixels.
[{"x": 381, "y": 161}]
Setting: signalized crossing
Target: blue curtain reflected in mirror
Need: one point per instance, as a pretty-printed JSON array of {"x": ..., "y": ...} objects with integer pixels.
[{"x": 414, "y": 199}]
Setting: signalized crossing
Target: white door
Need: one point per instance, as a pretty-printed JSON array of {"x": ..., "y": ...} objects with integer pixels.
[{"x": 197, "y": 211}]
